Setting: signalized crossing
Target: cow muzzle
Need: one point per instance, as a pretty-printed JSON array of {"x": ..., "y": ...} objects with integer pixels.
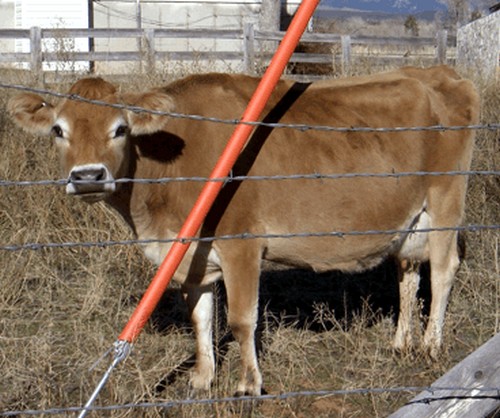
[{"x": 91, "y": 182}]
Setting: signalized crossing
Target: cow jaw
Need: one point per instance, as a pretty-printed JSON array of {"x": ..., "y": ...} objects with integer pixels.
[{"x": 90, "y": 182}]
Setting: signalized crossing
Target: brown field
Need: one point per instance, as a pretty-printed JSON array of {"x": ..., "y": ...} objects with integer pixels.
[{"x": 62, "y": 308}]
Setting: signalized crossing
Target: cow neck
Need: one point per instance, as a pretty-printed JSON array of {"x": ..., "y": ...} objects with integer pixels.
[{"x": 152, "y": 211}]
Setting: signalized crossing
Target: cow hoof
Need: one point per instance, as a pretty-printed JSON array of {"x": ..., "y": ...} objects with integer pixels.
[
  {"x": 404, "y": 350},
  {"x": 239, "y": 393},
  {"x": 249, "y": 391},
  {"x": 432, "y": 348},
  {"x": 194, "y": 393},
  {"x": 402, "y": 342},
  {"x": 245, "y": 407},
  {"x": 433, "y": 353},
  {"x": 250, "y": 384},
  {"x": 199, "y": 384}
]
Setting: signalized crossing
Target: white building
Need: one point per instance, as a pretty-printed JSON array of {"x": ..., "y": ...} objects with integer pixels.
[
  {"x": 53, "y": 14},
  {"x": 173, "y": 14},
  {"x": 176, "y": 14}
]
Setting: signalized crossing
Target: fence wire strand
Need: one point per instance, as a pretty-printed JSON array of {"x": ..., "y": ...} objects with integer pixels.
[
  {"x": 310, "y": 176},
  {"x": 200, "y": 118},
  {"x": 485, "y": 393},
  {"x": 301, "y": 127},
  {"x": 246, "y": 236}
]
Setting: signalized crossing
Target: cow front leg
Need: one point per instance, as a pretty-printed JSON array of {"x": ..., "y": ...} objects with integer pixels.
[
  {"x": 200, "y": 305},
  {"x": 241, "y": 279}
]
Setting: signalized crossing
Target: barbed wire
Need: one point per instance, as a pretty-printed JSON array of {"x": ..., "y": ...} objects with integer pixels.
[
  {"x": 311, "y": 176},
  {"x": 300, "y": 127},
  {"x": 485, "y": 393},
  {"x": 246, "y": 236}
]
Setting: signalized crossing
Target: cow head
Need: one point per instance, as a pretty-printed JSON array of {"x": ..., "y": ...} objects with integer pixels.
[{"x": 92, "y": 139}]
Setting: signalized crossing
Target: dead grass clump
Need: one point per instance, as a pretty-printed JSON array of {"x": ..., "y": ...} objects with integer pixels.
[{"x": 62, "y": 308}]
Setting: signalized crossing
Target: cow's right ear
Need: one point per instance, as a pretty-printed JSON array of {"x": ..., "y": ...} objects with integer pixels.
[
  {"x": 143, "y": 122},
  {"x": 32, "y": 113}
]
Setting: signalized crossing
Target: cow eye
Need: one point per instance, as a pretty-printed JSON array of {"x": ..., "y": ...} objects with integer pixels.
[
  {"x": 121, "y": 131},
  {"x": 57, "y": 131}
]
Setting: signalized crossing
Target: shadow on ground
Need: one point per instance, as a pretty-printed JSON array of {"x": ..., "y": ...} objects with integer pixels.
[{"x": 291, "y": 297}]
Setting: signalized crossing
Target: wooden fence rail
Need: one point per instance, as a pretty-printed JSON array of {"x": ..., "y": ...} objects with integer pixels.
[
  {"x": 480, "y": 371},
  {"x": 149, "y": 54}
]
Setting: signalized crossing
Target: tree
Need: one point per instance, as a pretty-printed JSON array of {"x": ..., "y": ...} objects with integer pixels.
[
  {"x": 458, "y": 11},
  {"x": 461, "y": 12},
  {"x": 411, "y": 25},
  {"x": 476, "y": 14}
]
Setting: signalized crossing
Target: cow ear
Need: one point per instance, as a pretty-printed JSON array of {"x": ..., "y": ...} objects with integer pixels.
[
  {"x": 32, "y": 113},
  {"x": 142, "y": 123}
]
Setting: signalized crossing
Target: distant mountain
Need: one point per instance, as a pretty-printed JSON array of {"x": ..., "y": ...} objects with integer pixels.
[{"x": 386, "y": 6}]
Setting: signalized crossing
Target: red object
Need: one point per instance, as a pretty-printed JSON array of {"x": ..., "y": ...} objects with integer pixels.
[{"x": 222, "y": 169}]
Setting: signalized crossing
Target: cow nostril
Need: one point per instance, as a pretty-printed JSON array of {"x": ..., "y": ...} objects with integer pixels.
[
  {"x": 90, "y": 180},
  {"x": 88, "y": 174},
  {"x": 75, "y": 176},
  {"x": 100, "y": 175}
]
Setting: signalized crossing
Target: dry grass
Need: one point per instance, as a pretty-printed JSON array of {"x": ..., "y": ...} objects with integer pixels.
[{"x": 60, "y": 309}]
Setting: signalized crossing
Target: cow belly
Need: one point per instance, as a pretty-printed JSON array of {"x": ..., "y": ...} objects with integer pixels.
[
  {"x": 349, "y": 254},
  {"x": 354, "y": 253}
]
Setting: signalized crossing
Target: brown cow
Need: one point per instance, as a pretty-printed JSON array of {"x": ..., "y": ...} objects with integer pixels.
[{"x": 104, "y": 143}]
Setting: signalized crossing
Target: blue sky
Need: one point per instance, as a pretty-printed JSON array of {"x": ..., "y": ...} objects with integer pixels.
[{"x": 388, "y": 5}]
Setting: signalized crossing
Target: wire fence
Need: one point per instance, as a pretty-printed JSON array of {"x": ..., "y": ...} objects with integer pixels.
[
  {"x": 201, "y": 118},
  {"x": 244, "y": 235},
  {"x": 247, "y": 235},
  {"x": 314, "y": 176},
  {"x": 435, "y": 393}
]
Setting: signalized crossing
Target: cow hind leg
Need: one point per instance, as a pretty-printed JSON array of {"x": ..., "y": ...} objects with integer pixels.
[
  {"x": 409, "y": 279},
  {"x": 446, "y": 207},
  {"x": 444, "y": 262},
  {"x": 413, "y": 251},
  {"x": 200, "y": 305},
  {"x": 241, "y": 278}
]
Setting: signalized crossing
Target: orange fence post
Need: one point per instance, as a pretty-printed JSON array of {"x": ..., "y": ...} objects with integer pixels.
[{"x": 223, "y": 167}]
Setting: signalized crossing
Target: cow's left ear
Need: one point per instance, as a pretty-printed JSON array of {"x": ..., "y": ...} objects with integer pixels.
[{"x": 142, "y": 123}]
